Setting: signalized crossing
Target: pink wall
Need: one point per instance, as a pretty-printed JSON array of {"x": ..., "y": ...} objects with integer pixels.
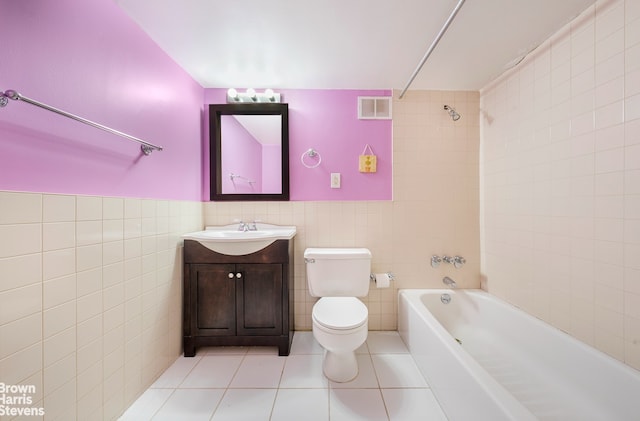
[
  {"x": 90, "y": 59},
  {"x": 327, "y": 121}
]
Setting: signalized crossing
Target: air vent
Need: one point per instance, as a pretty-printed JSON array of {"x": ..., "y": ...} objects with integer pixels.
[{"x": 374, "y": 107}]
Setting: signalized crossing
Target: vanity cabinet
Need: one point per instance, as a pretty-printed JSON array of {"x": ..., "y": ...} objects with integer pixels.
[{"x": 238, "y": 300}]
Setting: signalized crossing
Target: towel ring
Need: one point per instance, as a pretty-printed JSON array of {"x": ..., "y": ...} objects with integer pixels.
[{"x": 311, "y": 153}]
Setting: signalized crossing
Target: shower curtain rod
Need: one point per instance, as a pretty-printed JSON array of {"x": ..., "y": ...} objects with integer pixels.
[
  {"x": 432, "y": 46},
  {"x": 146, "y": 147}
]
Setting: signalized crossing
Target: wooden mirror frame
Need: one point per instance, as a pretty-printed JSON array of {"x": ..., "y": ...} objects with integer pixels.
[{"x": 216, "y": 111}]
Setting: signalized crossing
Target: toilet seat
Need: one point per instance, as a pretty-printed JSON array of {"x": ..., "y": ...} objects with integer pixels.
[{"x": 340, "y": 313}]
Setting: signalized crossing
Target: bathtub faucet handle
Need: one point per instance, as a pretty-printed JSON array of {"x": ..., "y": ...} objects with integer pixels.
[
  {"x": 459, "y": 261},
  {"x": 435, "y": 261}
]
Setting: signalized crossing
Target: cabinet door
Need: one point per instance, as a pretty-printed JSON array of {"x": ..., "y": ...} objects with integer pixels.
[
  {"x": 213, "y": 289},
  {"x": 260, "y": 300}
]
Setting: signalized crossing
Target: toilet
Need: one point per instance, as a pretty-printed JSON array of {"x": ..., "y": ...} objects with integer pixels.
[{"x": 339, "y": 319}]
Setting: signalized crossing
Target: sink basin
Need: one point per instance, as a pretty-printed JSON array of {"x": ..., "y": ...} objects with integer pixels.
[{"x": 228, "y": 240}]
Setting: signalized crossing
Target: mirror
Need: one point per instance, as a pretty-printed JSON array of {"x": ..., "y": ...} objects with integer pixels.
[{"x": 249, "y": 147}]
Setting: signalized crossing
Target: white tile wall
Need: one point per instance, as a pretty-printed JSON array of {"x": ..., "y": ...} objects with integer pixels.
[
  {"x": 560, "y": 181},
  {"x": 75, "y": 319}
]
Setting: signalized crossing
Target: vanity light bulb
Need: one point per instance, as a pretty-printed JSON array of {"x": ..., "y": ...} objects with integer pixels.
[
  {"x": 232, "y": 93},
  {"x": 252, "y": 93},
  {"x": 269, "y": 94}
]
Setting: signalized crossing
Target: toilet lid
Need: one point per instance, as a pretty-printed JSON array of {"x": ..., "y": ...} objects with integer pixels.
[{"x": 340, "y": 312}]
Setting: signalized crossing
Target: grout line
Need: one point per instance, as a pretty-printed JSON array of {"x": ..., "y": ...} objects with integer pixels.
[
  {"x": 328, "y": 389},
  {"x": 163, "y": 403}
]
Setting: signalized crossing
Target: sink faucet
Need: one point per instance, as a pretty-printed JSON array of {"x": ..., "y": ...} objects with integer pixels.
[
  {"x": 245, "y": 226},
  {"x": 449, "y": 282}
]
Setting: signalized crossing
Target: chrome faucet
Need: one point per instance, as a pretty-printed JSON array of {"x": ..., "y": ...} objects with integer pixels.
[
  {"x": 435, "y": 261},
  {"x": 459, "y": 261},
  {"x": 245, "y": 226},
  {"x": 449, "y": 282}
]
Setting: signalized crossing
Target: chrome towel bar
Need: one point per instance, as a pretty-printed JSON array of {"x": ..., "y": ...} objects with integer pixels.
[{"x": 146, "y": 147}]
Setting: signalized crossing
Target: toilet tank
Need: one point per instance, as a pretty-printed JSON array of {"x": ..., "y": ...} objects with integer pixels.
[{"x": 338, "y": 272}]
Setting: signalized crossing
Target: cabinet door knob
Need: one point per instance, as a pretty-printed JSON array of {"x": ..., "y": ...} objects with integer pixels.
[
  {"x": 230, "y": 275},
  {"x": 238, "y": 275}
]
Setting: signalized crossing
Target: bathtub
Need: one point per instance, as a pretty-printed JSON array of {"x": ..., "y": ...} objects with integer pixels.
[{"x": 487, "y": 360}]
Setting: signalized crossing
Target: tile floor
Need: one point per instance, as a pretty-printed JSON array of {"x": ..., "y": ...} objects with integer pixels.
[{"x": 253, "y": 384}]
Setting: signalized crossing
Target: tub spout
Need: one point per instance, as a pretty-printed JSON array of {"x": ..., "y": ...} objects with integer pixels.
[{"x": 449, "y": 282}]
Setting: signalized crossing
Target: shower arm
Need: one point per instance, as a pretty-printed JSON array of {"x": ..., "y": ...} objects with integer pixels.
[{"x": 432, "y": 46}]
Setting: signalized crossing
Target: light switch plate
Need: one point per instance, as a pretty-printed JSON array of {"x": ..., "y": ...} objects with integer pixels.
[{"x": 335, "y": 180}]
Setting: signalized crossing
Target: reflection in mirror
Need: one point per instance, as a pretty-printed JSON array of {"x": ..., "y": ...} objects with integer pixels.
[
  {"x": 249, "y": 151},
  {"x": 251, "y": 146}
]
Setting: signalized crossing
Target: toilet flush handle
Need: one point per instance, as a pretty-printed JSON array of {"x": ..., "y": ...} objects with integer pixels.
[{"x": 309, "y": 260}]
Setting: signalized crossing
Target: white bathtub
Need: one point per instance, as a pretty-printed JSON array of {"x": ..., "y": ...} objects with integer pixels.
[{"x": 509, "y": 365}]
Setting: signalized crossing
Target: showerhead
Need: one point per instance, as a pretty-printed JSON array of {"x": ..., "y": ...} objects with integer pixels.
[{"x": 453, "y": 113}]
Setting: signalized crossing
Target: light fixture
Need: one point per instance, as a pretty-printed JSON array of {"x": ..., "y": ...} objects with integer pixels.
[
  {"x": 251, "y": 96},
  {"x": 232, "y": 93},
  {"x": 269, "y": 94}
]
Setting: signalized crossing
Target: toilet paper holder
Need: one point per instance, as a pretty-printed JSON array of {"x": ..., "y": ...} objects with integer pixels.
[{"x": 372, "y": 276}]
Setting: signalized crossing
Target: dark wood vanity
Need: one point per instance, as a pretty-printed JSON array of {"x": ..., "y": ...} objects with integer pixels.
[{"x": 238, "y": 300}]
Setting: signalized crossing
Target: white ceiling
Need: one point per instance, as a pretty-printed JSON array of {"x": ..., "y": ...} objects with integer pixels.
[{"x": 347, "y": 44}]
